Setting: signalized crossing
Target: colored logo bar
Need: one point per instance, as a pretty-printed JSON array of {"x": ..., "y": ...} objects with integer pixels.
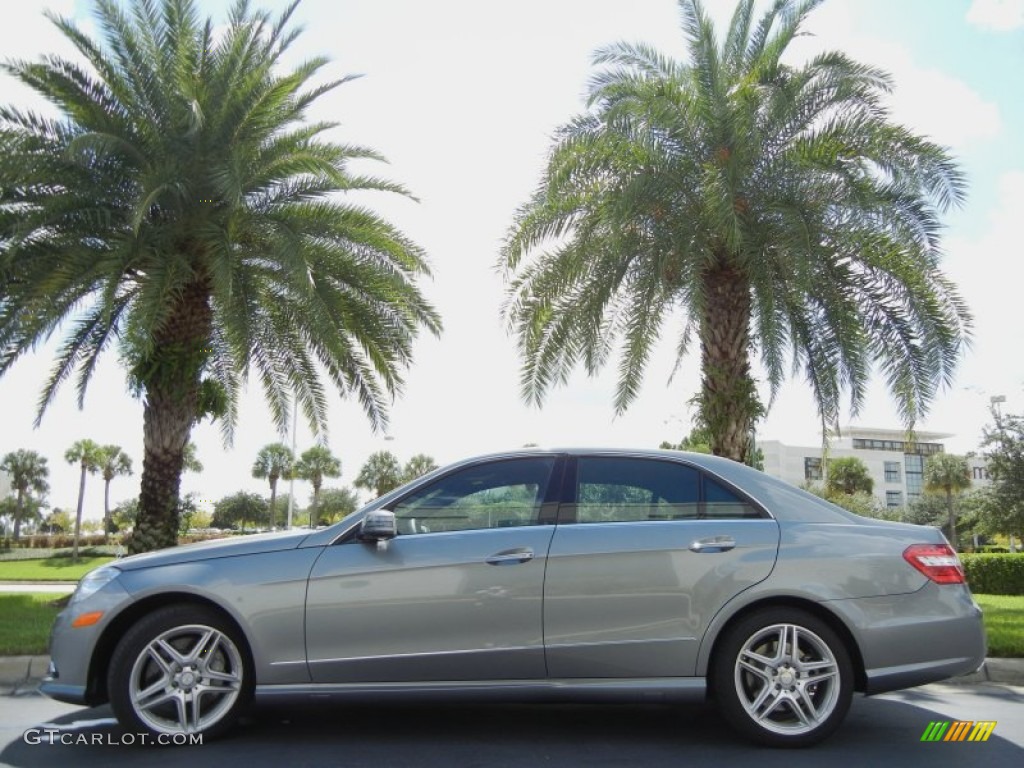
[{"x": 958, "y": 730}]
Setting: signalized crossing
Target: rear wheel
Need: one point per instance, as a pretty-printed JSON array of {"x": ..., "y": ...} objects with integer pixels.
[
  {"x": 181, "y": 669},
  {"x": 783, "y": 677}
]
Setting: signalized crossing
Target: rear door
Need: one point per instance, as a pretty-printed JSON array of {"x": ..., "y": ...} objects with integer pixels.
[{"x": 645, "y": 554}]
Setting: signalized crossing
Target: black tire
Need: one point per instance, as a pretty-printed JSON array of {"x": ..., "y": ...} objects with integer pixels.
[
  {"x": 776, "y": 697},
  {"x": 174, "y": 659}
]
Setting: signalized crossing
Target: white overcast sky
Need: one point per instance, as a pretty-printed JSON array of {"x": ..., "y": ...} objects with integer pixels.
[{"x": 462, "y": 97}]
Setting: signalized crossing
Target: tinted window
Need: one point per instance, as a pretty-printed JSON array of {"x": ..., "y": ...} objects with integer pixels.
[
  {"x": 500, "y": 494},
  {"x": 611, "y": 490},
  {"x": 721, "y": 503}
]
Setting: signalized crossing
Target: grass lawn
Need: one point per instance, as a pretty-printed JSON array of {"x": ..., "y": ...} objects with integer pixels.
[
  {"x": 1004, "y": 623},
  {"x": 27, "y": 617},
  {"x": 49, "y": 569}
]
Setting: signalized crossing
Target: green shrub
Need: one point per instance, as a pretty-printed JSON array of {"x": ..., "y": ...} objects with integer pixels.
[{"x": 995, "y": 574}]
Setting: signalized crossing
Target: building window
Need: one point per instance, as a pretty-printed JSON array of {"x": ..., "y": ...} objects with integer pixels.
[
  {"x": 979, "y": 473},
  {"x": 893, "y": 499},
  {"x": 812, "y": 468},
  {"x": 913, "y": 465},
  {"x": 892, "y": 471}
]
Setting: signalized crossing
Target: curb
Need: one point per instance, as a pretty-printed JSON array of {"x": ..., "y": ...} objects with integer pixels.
[{"x": 22, "y": 674}]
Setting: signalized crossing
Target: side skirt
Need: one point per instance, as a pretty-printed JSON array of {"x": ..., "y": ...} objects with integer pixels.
[{"x": 651, "y": 690}]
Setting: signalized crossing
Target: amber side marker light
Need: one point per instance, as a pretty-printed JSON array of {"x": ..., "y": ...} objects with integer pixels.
[
  {"x": 936, "y": 561},
  {"x": 87, "y": 619}
]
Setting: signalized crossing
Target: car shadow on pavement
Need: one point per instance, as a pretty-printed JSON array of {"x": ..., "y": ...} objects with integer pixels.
[{"x": 880, "y": 731}]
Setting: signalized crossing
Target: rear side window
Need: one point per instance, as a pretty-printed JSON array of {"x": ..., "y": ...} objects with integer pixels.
[
  {"x": 618, "y": 490},
  {"x": 623, "y": 490}
]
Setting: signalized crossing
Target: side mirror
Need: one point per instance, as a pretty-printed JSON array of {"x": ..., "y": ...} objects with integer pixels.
[{"x": 379, "y": 526}]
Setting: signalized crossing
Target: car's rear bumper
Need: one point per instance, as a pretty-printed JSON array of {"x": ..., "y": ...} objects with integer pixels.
[{"x": 913, "y": 639}]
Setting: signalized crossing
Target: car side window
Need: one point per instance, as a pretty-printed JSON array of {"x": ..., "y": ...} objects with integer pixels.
[
  {"x": 498, "y": 494},
  {"x": 618, "y": 490},
  {"x": 722, "y": 504}
]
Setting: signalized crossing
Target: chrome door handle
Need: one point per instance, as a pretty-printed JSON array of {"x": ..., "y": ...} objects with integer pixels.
[
  {"x": 511, "y": 557},
  {"x": 713, "y": 544}
]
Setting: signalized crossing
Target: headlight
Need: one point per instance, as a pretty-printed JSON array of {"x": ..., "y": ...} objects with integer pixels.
[{"x": 94, "y": 581}]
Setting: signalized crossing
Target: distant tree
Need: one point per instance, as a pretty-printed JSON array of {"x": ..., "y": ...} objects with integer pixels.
[
  {"x": 114, "y": 462},
  {"x": 88, "y": 455},
  {"x": 1003, "y": 446},
  {"x": 235, "y": 510},
  {"x": 419, "y": 465},
  {"x": 699, "y": 441},
  {"x": 27, "y": 471},
  {"x": 336, "y": 503},
  {"x": 125, "y": 514},
  {"x": 948, "y": 474},
  {"x": 380, "y": 474},
  {"x": 314, "y": 465},
  {"x": 58, "y": 521},
  {"x": 273, "y": 462},
  {"x": 858, "y": 502},
  {"x": 848, "y": 475},
  {"x": 187, "y": 511}
]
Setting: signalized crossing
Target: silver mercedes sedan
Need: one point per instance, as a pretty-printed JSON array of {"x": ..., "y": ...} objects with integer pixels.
[{"x": 562, "y": 574}]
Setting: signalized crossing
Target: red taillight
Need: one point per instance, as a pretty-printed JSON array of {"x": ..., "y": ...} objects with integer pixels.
[{"x": 936, "y": 561}]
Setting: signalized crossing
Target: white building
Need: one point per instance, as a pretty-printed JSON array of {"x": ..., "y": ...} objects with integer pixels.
[{"x": 895, "y": 463}]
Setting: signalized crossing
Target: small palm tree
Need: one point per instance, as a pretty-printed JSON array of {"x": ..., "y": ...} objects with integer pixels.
[
  {"x": 273, "y": 462},
  {"x": 770, "y": 210},
  {"x": 114, "y": 462},
  {"x": 381, "y": 473},
  {"x": 314, "y": 465},
  {"x": 89, "y": 456},
  {"x": 182, "y": 210},
  {"x": 949, "y": 474},
  {"x": 848, "y": 475},
  {"x": 27, "y": 471}
]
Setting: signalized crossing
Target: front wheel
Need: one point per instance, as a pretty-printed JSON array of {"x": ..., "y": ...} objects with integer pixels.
[
  {"x": 783, "y": 678},
  {"x": 180, "y": 670}
]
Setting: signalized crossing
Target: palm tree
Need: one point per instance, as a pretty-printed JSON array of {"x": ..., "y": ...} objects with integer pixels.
[
  {"x": 417, "y": 466},
  {"x": 949, "y": 474},
  {"x": 776, "y": 207},
  {"x": 182, "y": 210},
  {"x": 27, "y": 471},
  {"x": 848, "y": 475},
  {"x": 381, "y": 473},
  {"x": 113, "y": 462},
  {"x": 273, "y": 462},
  {"x": 314, "y": 465},
  {"x": 89, "y": 456}
]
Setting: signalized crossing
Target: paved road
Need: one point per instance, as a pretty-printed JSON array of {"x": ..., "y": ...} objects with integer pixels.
[{"x": 881, "y": 731}]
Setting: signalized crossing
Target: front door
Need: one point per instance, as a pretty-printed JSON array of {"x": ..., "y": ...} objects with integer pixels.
[{"x": 457, "y": 595}]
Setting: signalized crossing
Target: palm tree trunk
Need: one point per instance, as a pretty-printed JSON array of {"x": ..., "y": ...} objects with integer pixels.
[
  {"x": 171, "y": 405},
  {"x": 728, "y": 395},
  {"x": 273, "y": 498},
  {"x": 18, "y": 515},
  {"x": 313, "y": 511},
  {"x": 166, "y": 423},
  {"x": 78, "y": 514},
  {"x": 106, "y": 510}
]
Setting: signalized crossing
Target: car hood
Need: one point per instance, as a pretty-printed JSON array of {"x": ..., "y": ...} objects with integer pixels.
[{"x": 206, "y": 550}]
